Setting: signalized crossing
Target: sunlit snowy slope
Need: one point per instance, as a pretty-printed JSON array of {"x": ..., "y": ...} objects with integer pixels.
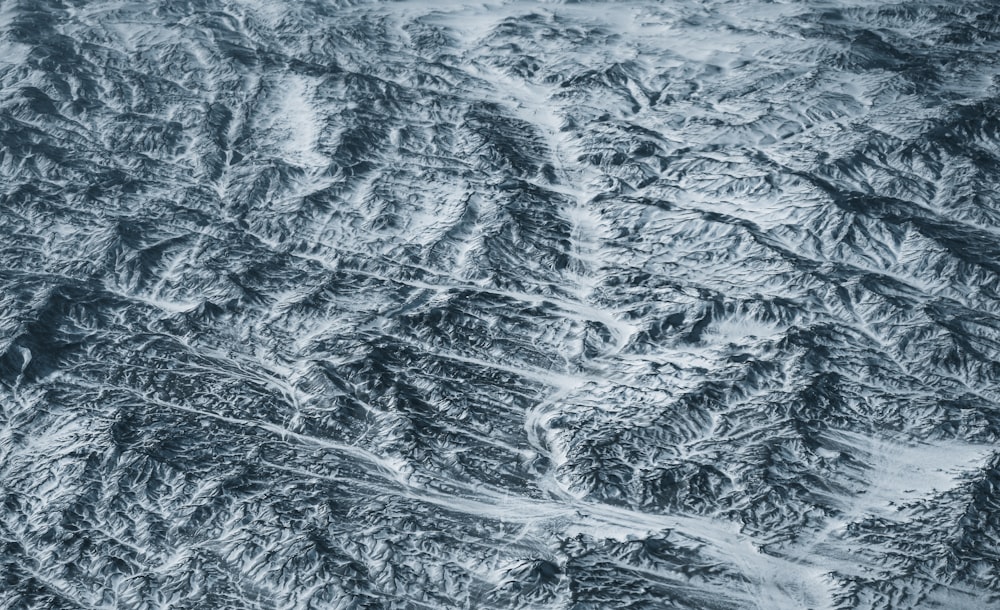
[{"x": 592, "y": 305}]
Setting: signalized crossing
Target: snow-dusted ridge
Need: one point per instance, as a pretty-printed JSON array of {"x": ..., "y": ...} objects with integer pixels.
[{"x": 499, "y": 304}]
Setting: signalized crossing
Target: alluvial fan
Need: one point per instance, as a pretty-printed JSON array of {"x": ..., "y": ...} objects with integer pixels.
[{"x": 328, "y": 304}]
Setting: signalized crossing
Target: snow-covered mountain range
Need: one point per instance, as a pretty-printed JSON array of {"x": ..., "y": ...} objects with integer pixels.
[{"x": 325, "y": 304}]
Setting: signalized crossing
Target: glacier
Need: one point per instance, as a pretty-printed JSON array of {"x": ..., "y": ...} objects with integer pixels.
[{"x": 500, "y": 304}]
